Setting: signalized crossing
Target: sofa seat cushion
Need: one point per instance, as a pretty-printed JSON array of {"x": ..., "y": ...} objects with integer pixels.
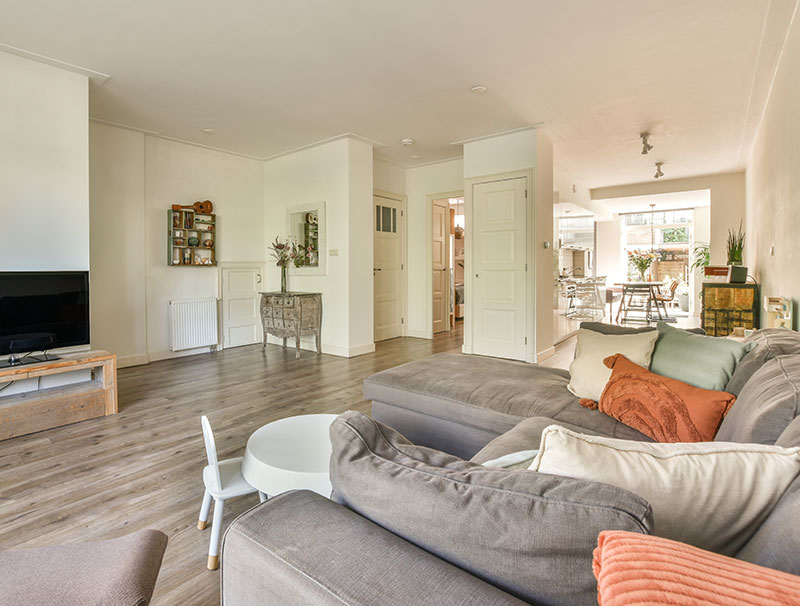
[
  {"x": 459, "y": 403},
  {"x": 527, "y": 434},
  {"x": 299, "y": 548},
  {"x": 529, "y": 534},
  {"x": 767, "y": 404}
]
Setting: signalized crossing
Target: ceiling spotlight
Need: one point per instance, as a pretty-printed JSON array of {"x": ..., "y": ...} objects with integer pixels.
[
  {"x": 208, "y": 131},
  {"x": 478, "y": 89},
  {"x": 659, "y": 172},
  {"x": 646, "y": 147},
  {"x": 407, "y": 141},
  {"x": 414, "y": 157}
]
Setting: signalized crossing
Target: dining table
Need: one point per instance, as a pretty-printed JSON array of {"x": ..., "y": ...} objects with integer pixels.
[{"x": 638, "y": 296}]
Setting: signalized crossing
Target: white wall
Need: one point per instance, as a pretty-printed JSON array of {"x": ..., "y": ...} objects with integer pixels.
[
  {"x": 44, "y": 167},
  {"x": 388, "y": 176},
  {"x": 134, "y": 181},
  {"x": 608, "y": 256},
  {"x": 177, "y": 173},
  {"x": 727, "y": 193},
  {"x": 773, "y": 185},
  {"x": 500, "y": 154},
  {"x": 340, "y": 174},
  {"x": 118, "y": 239},
  {"x": 422, "y": 182},
  {"x": 543, "y": 225}
]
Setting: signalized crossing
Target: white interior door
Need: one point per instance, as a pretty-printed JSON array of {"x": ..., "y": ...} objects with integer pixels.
[
  {"x": 499, "y": 266},
  {"x": 241, "y": 323},
  {"x": 441, "y": 266},
  {"x": 388, "y": 268}
]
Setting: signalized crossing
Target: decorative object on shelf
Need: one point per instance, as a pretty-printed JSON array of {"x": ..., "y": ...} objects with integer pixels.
[
  {"x": 284, "y": 252},
  {"x": 735, "y": 246},
  {"x": 292, "y": 314},
  {"x": 190, "y": 235},
  {"x": 201, "y": 208},
  {"x": 641, "y": 260}
]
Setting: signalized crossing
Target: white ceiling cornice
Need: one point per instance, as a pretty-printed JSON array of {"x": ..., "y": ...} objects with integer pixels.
[{"x": 97, "y": 78}]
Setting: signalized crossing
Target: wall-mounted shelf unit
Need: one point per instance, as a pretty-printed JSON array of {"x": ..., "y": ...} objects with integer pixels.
[{"x": 191, "y": 238}]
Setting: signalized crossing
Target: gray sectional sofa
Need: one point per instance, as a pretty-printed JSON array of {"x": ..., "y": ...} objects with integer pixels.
[{"x": 413, "y": 522}]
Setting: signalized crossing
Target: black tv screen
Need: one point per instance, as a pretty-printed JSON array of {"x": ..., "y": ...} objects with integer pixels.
[{"x": 43, "y": 310}]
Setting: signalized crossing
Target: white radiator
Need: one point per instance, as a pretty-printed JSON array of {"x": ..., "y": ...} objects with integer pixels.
[{"x": 193, "y": 323}]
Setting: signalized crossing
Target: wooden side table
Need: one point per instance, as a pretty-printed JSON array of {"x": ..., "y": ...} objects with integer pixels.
[{"x": 292, "y": 314}]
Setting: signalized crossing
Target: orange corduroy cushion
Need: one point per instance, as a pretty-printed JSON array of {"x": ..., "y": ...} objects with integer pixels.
[
  {"x": 643, "y": 570},
  {"x": 665, "y": 409}
]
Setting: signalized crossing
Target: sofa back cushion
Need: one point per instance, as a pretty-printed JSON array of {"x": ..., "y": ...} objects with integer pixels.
[
  {"x": 769, "y": 343},
  {"x": 769, "y": 401},
  {"x": 777, "y": 541},
  {"x": 616, "y": 329},
  {"x": 530, "y": 534},
  {"x": 705, "y": 362}
]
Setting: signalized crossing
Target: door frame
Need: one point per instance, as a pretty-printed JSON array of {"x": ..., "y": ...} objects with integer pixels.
[
  {"x": 225, "y": 265},
  {"x": 402, "y": 202},
  {"x": 429, "y": 256},
  {"x": 530, "y": 259}
]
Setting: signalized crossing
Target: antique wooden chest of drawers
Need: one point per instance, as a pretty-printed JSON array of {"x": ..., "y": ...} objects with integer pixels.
[
  {"x": 726, "y": 306},
  {"x": 292, "y": 314}
]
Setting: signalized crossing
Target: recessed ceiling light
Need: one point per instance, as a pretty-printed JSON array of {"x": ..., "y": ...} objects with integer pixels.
[
  {"x": 414, "y": 157},
  {"x": 407, "y": 141},
  {"x": 208, "y": 131},
  {"x": 478, "y": 89}
]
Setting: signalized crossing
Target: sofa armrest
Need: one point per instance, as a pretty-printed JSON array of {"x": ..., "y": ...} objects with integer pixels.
[{"x": 300, "y": 548}]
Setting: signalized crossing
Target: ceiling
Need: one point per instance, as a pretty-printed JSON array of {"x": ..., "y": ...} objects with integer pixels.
[
  {"x": 270, "y": 76},
  {"x": 668, "y": 201}
]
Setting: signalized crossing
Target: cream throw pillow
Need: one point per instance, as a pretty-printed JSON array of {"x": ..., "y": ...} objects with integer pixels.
[
  {"x": 712, "y": 495},
  {"x": 588, "y": 374}
]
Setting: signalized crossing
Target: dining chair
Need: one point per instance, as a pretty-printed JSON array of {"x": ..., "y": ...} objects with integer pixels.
[
  {"x": 666, "y": 298},
  {"x": 223, "y": 480}
]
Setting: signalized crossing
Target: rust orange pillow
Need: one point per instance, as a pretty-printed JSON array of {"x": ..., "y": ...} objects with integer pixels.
[
  {"x": 665, "y": 409},
  {"x": 640, "y": 570}
]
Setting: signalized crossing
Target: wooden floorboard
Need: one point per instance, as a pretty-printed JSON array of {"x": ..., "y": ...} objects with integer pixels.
[{"x": 142, "y": 468}]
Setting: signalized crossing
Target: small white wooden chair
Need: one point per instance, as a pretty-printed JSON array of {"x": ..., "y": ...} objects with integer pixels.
[{"x": 223, "y": 480}]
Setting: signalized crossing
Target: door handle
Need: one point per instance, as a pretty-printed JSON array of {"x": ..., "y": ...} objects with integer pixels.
[
  {"x": 258, "y": 278},
  {"x": 376, "y": 269}
]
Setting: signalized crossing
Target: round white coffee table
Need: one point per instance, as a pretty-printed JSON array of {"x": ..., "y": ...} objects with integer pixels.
[{"x": 290, "y": 454}]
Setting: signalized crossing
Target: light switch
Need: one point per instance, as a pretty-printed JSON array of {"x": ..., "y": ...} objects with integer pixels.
[{"x": 333, "y": 252}]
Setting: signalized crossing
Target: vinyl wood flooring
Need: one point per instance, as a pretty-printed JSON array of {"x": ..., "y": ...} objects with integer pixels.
[{"x": 142, "y": 468}]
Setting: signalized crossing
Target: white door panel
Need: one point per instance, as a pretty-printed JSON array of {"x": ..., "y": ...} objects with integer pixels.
[
  {"x": 441, "y": 266},
  {"x": 499, "y": 213},
  {"x": 388, "y": 269},
  {"x": 241, "y": 324}
]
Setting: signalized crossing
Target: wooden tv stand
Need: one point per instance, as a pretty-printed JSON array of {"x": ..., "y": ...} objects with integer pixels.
[{"x": 33, "y": 411}]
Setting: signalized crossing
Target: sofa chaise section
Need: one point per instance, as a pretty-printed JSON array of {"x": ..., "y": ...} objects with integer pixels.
[{"x": 458, "y": 403}]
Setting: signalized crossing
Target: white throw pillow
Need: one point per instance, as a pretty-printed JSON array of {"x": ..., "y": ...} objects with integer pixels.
[
  {"x": 588, "y": 374},
  {"x": 712, "y": 495}
]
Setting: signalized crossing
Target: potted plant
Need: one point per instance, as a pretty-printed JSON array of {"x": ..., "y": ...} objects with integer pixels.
[
  {"x": 284, "y": 252},
  {"x": 683, "y": 294},
  {"x": 735, "y": 246}
]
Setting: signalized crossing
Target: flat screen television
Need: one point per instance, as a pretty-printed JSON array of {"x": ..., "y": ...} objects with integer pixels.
[{"x": 43, "y": 310}]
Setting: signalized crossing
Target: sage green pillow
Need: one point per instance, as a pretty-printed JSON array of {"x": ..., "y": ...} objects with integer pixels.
[{"x": 699, "y": 360}]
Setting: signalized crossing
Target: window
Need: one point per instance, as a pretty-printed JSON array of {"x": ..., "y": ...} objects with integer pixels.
[{"x": 386, "y": 219}]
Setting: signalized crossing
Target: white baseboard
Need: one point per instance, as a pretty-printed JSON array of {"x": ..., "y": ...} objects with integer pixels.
[
  {"x": 155, "y": 356},
  {"x": 309, "y": 344},
  {"x": 544, "y": 355},
  {"x": 418, "y": 334},
  {"x": 135, "y": 360}
]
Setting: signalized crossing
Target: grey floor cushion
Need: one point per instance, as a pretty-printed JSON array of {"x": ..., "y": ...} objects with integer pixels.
[
  {"x": 527, "y": 533},
  {"x": 769, "y": 343}
]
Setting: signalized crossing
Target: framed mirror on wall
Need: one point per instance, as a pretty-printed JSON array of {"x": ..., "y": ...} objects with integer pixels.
[{"x": 305, "y": 223}]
